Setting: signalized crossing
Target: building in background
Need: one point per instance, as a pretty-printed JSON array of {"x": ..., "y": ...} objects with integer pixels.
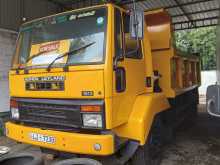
[
  {"x": 7, "y": 46},
  {"x": 218, "y": 52}
]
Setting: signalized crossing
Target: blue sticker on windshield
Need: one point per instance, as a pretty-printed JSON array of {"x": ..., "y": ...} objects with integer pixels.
[
  {"x": 61, "y": 19},
  {"x": 100, "y": 21},
  {"x": 26, "y": 28}
]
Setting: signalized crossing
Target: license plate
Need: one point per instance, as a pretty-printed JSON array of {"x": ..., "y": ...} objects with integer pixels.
[{"x": 42, "y": 138}]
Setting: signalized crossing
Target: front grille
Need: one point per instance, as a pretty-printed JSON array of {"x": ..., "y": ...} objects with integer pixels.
[
  {"x": 44, "y": 86},
  {"x": 50, "y": 115}
]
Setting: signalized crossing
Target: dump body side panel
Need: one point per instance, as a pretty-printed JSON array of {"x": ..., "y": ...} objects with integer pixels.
[{"x": 178, "y": 72}]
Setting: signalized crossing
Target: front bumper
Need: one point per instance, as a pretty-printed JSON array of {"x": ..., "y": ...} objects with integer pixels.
[{"x": 65, "y": 141}]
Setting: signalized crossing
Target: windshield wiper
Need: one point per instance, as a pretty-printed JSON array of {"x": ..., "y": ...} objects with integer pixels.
[
  {"x": 69, "y": 53},
  {"x": 32, "y": 57},
  {"x": 35, "y": 55}
]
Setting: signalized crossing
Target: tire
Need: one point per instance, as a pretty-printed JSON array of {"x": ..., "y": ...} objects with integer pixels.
[
  {"x": 168, "y": 134},
  {"x": 150, "y": 153},
  {"x": 58, "y": 154},
  {"x": 78, "y": 161},
  {"x": 22, "y": 159},
  {"x": 49, "y": 151},
  {"x": 190, "y": 119}
]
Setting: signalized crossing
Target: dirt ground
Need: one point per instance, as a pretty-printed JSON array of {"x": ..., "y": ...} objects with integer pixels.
[{"x": 199, "y": 145}]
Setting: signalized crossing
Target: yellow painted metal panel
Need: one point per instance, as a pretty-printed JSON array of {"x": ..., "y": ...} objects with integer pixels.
[
  {"x": 166, "y": 57},
  {"x": 68, "y": 142},
  {"x": 108, "y": 67},
  {"x": 122, "y": 102},
  {"x": 159, "y": 28},
  {"x": 162, "y": 63},
  {"x": 75, "y": 83},
  {"x": 144, "y": 110},
  {"x": 146, "y": 46}
]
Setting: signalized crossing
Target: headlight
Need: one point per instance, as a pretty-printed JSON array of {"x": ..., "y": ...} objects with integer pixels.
[
  {"x": 15, "y": 113},
  {"x": 14, "y": 109},
  {"x": 92, "y": 120}
]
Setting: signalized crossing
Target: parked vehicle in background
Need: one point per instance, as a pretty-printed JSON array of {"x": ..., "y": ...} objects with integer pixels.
[{"x": 213, "y": 91}]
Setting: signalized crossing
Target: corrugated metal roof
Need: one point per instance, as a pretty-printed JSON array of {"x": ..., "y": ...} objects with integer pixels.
[
  {"x": 13, "y": 12},
  {"x": 186, "y": 14}
]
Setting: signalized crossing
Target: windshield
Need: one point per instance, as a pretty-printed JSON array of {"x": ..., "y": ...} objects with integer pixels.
[{"x": 43, "y": 41}]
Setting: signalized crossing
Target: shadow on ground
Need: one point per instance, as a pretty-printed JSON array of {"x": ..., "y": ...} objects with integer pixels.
[{"x": 198, "y": 145}]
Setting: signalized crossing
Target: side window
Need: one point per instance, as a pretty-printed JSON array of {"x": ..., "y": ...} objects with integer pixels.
[
  {"x": 118, "y": 33},
  {"x": 131, "y": 46}
]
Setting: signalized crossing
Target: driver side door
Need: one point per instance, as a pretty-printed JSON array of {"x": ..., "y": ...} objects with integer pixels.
[{"x": 129, "y": 73}]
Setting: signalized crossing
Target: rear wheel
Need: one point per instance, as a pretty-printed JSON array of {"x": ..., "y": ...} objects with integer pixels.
[
  {"x": 191, "y": 117},
  {"x": 150, "y": 153}
]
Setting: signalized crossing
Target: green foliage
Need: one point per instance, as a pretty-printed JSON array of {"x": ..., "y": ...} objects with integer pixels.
[
  {"x": 202, "y": 41},
  {"x": 1, "y": 132}
]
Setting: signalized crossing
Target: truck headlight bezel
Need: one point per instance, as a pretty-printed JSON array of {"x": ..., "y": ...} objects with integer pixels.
[
  {"x": 93, "y": 116},
  {"x": 15, "y": 115},
  {"x": 92, "y": 120}
]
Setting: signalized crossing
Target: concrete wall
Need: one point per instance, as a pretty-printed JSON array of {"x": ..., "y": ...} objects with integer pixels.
[
  {"x": 7, "y": 46},
  {"x": 208, "y": 78}
]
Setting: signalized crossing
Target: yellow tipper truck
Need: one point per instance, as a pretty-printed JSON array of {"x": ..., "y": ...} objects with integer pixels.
[{"x": 101, "y": 82}]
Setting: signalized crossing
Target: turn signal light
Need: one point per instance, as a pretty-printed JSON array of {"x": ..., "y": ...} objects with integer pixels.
[
  {"x": 91, "y": 108},
  {"x": 13, "y": 103}
]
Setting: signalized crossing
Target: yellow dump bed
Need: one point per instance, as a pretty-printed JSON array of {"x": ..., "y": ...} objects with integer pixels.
[{"x": 179, "y": 72}]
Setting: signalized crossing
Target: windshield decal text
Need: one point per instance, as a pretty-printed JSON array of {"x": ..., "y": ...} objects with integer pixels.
[
  {"x": 49, "y": 47},
  {"x": 81, "y": 15}
]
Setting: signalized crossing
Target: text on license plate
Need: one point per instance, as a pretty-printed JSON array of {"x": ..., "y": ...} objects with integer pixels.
[{"x": 42, "y": 138}]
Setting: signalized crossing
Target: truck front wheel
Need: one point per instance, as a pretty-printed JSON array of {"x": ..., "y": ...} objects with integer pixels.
[{"x": 150, "y": 153}]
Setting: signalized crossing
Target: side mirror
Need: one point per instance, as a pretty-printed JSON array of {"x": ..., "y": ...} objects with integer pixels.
[{"x": 137, "y": 24}]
